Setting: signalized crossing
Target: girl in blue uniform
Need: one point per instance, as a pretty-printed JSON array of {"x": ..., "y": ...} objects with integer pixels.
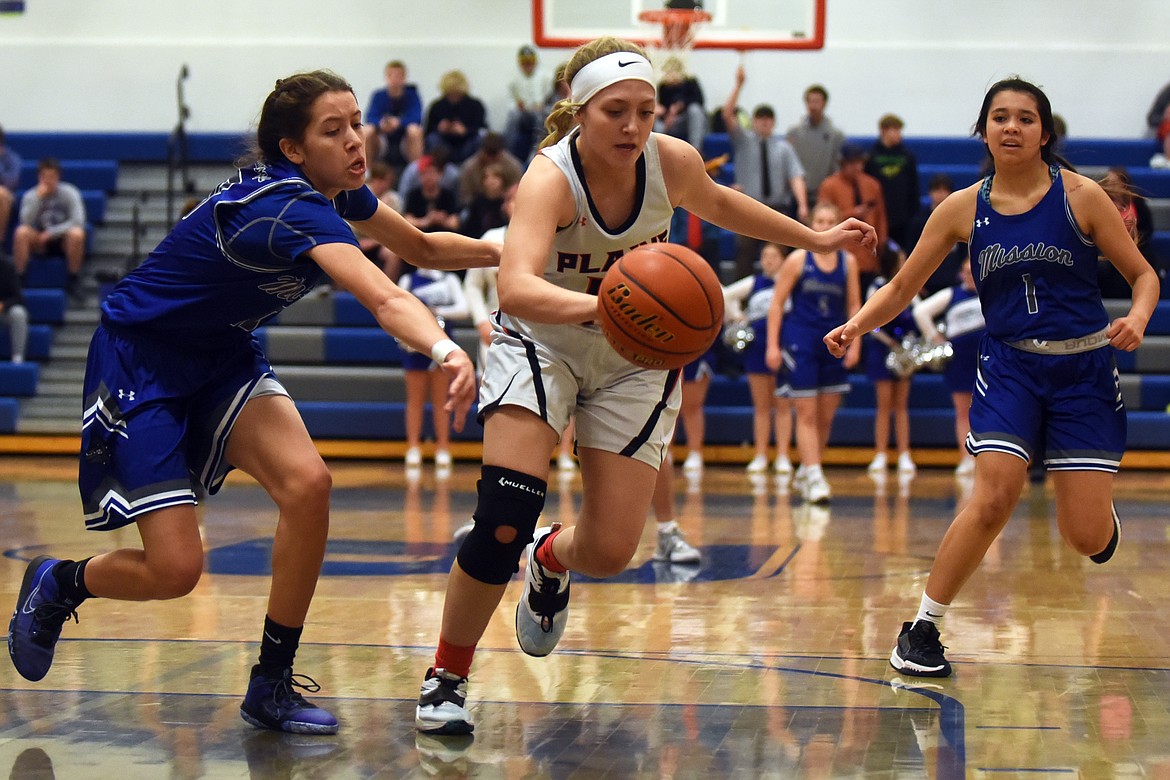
[
  {"x": 178, "y": 390},
  {"x": 1045, "y": 371},
  {"x": 749, "y": 299},
  {"x": 824, "y": 287},
  {"x": 891, "y": 392},
  {"x": 958, "y": 307}
]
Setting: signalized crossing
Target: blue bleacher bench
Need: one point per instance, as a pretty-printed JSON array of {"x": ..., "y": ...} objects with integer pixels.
[
  {"x": 40, "y": 341},
  {"x": 99, "y": 175},
  {"x": 19, "y": 379},
  {"x": 45, "y": 305},
  {"x": 9, "y": 412}
]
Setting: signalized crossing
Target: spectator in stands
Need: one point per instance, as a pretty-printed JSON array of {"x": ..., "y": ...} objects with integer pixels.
[
  {"x": 178, "y": 391},
  {"x": 12, "y": 310},
  {"x": 895, "y": 167},
  {"x": 823, "y": 287},
  {"x": 816, "y": 141},
  {"x": 10, "y": 163},
  {"x": 680, "y": 104},
  {"x": 486, "y": 210},
  {"x": 892, "y": 391},
  {"x": 440, "y": 158},
  {"x": 530, "y": 90},
  {"x": 939, "y": 187},
  {"x": 857, "y": 194},
  {"x": 1157, "y": 113},
  {"x": 746, "y": 302},
  {"x": 1161, "y": 158},
  {"x": 491, "y": 153},
  {"x": 430, "y": 206},
  {"x": 959, "y": 310},
  {"x": 52, "y": 221},
  {"x": 442, "y": 292},
  {"x": 380, "y": 180},
  {"x": 393, "y": 127},
  {"x": 766, "y": 168},
  {"x": 456, "y": 119},
  {"x": 1139, "y": 220}
]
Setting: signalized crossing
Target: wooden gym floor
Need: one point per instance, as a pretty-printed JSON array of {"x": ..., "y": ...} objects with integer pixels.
[{"x": 767, "y": 660}]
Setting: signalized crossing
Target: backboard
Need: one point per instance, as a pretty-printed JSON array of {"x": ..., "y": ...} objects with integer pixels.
[{"x": 734, "y": 24}]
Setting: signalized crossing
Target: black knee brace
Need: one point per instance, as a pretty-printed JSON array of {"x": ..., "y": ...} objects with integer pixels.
[{"x": 509, "y": 506}]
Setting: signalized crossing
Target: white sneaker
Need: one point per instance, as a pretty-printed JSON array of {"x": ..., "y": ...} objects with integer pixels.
[
  {"x": 413, "y": 457},
  {"x": 543, "y": 608},
  {"x": 906, "y": 467},
  {"x": 782, "y": 466},
  {"x": 672, "y": 548},
  {"x": 694, "y": 462},
  {"x": 966, "y": 466},
  {"x": 1159, "y": 161},
  {"x": 565, "y": 462},
  {"x": 816, "y": 491},
  {"x": 800, "y": 478},
  {"x": 442, "y": 459},
  {"x": 441, "y": 704},
  {"x": 878, "y": 464},
  {"x": 758, "y": 465}
]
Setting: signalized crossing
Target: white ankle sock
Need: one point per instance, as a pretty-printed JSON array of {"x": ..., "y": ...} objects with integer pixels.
[
  {"x": 930, "y": 610},
  {"x": 667, "y": 527}
]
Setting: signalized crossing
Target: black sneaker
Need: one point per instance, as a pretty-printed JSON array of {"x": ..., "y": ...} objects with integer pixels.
[
  {"x": 1110, "y": 548},
  {"x": 271, "y": 703},
  {"x": 441, "y": 705},
  {"x": 918, "y": 652}
]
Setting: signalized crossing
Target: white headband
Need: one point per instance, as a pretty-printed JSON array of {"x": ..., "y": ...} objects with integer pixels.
[{"x": 610, "y": 69}]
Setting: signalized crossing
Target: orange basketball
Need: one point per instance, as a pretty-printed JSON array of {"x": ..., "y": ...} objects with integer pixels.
[{"x": 660, "y": 306}]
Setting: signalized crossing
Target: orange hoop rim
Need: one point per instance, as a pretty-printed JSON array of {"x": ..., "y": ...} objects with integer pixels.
[{"x": 686, "y": 16}]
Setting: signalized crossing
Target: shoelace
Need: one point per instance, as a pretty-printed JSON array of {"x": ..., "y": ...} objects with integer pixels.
[
  {"x": 925, "y": 640},
  {"x": 284, "y": 689},
  {"x": 50, "y": 618}
]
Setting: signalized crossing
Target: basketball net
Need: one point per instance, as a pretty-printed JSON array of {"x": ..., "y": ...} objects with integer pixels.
[{"x": 672, "y": 51}]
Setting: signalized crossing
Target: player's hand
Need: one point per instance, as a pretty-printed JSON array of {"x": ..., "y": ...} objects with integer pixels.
[
  {"x": 461, "y": 387},
  {"x": 852, "y": 234},
  {"x": 852, "y": 355},
  {"x": 773, "y": 358},
  {"x": 840, "y": 337},
  {"x": 1125, "y": 334}
]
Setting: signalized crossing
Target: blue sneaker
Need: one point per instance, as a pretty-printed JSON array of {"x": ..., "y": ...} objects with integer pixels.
[
  {"x": 37, "y": 620},
  {"x": 271, "y": 703},
  {"x": 544, "y": 606}
]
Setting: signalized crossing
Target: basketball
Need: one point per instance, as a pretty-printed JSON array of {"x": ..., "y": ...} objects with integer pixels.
[{"x": 660, "y": 306}]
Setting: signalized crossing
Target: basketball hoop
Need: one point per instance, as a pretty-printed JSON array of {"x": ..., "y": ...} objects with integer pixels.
[{"x": 678, "y": 35}]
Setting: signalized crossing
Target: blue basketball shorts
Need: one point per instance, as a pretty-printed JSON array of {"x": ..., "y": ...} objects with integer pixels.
[
  {"x": 699, "y": 369},
  {"x": 1070, "y": 402},
  {"x": 156, "y": 420},
  {"x": 960, "y": 369},
  {"x": 809, "y": 368}
]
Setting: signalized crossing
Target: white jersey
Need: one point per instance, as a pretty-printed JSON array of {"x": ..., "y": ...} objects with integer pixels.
[
  {"x": 555, "y": 370},
  {"x": 583, "y": 251}
]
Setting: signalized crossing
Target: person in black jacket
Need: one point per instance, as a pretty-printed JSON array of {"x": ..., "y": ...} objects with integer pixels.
[{"x": 892, "y": 164}]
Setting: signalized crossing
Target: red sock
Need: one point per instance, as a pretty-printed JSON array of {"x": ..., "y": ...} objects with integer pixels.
[
  {"x": 454, "y": 658},
  {"x": 545, "y": 556}
]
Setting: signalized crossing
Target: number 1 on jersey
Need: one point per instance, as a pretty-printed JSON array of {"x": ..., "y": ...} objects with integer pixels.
[{"x": 1030, "y": 294}]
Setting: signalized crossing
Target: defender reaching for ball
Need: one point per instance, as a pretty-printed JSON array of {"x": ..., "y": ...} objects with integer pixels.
[{"x": 601, "y": 185}]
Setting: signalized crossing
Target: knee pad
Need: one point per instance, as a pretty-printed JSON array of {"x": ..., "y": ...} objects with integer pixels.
[{"x": 505, "y": 516}]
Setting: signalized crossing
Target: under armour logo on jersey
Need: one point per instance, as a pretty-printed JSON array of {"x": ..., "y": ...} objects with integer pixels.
[
  {"x": 126, "y": 394},
  {"x": 982, "y": 222}
]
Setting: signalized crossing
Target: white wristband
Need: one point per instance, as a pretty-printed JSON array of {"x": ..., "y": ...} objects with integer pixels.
[{"x": 442, "y": 349}]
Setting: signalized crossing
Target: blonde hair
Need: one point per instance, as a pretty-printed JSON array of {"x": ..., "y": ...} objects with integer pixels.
[
  {"x": 454, "y": 81},
  {"x": 824, "y": 205},
  {"x": 564, "y": 114}
]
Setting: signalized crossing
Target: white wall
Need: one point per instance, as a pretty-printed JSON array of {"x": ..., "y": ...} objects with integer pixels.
[{"x": 111, "y": 65}]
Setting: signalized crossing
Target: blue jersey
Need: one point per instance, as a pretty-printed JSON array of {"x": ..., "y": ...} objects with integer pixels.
[
  {"x": 236, "y": 260},
  {"x": 818, "y": 299},
  {"x": 1036, "y": 272}
]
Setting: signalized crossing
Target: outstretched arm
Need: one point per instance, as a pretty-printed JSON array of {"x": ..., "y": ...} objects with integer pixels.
[
  {"x": 692, "y": 189},
  {"x": 441, "y": 251}
]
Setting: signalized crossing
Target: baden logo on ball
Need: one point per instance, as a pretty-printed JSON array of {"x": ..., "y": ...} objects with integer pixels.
[{"x": 660, "y": 306}]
